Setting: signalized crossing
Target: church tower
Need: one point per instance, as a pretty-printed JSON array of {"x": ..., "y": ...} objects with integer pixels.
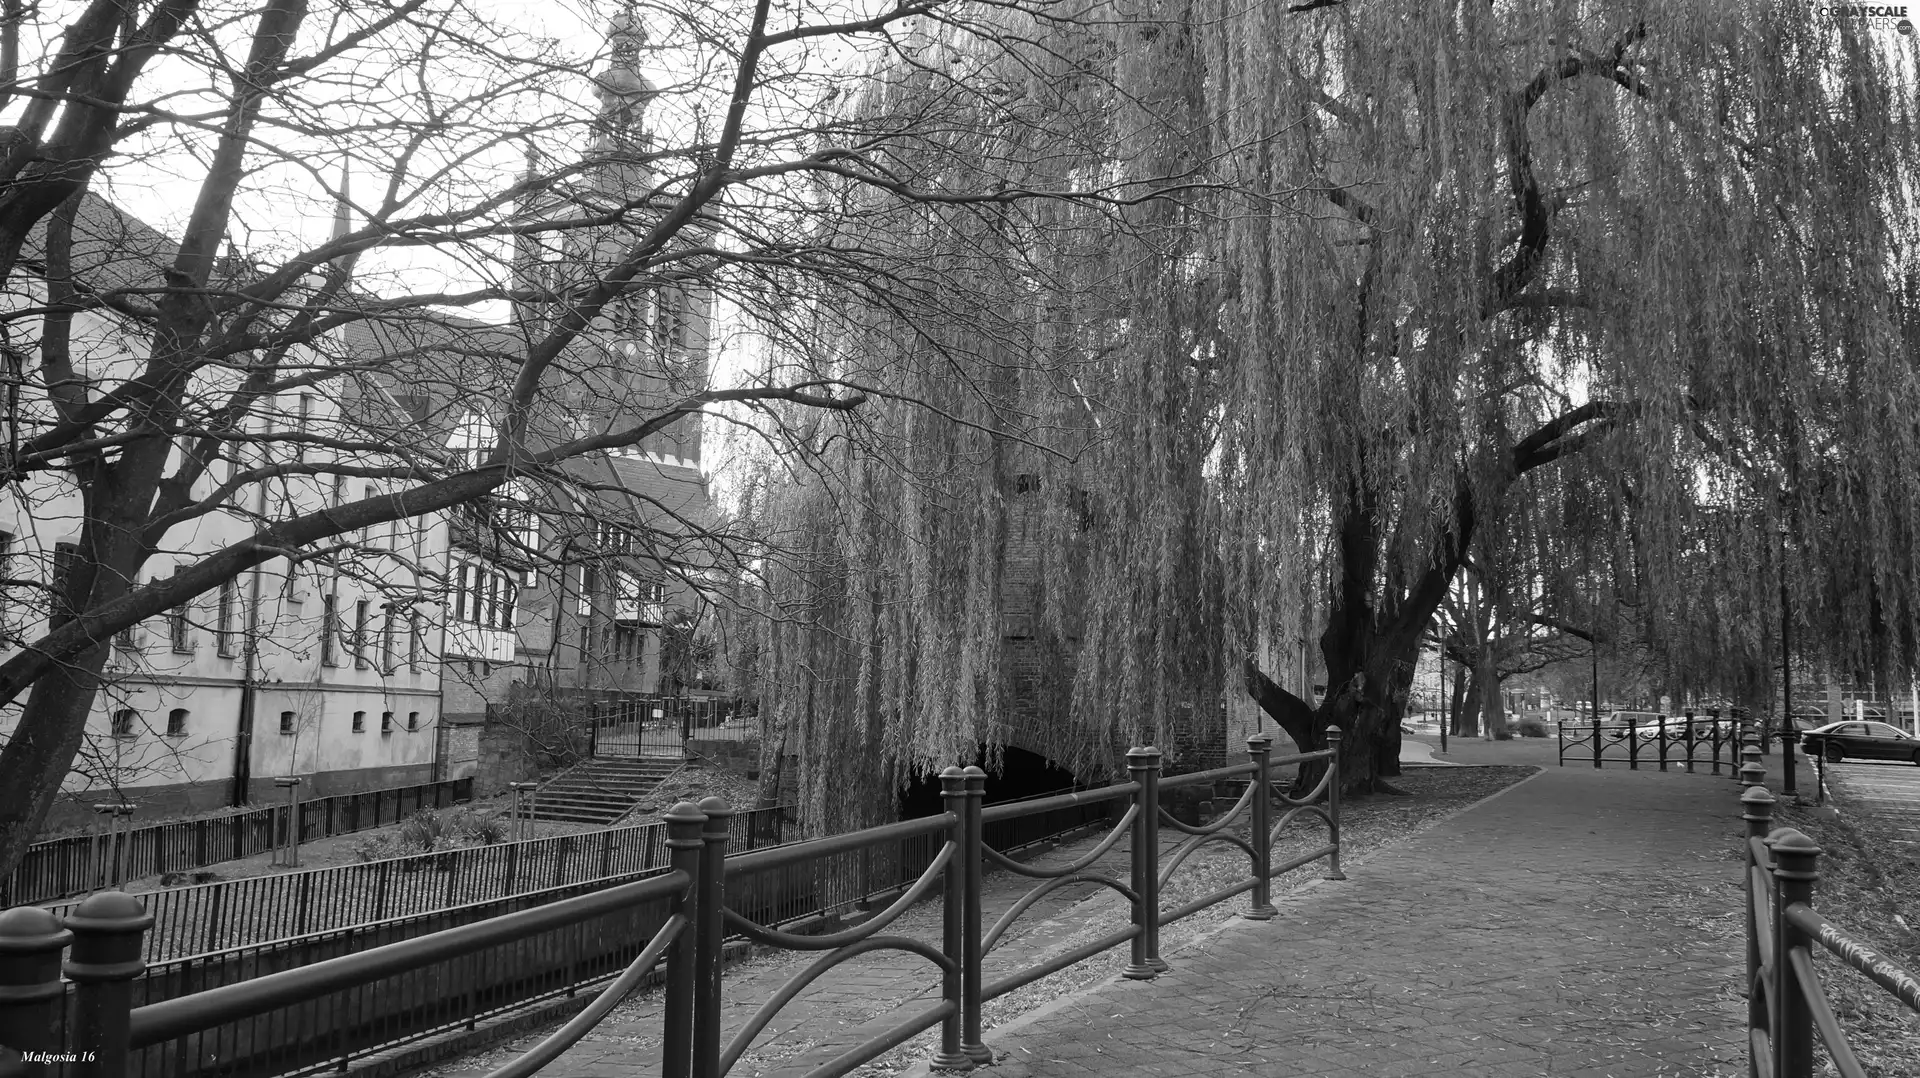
[{"x": 656, "y": 339}]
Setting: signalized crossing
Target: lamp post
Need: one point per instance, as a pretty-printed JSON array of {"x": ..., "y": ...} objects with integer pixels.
[{"x": 1787, "y": 732}]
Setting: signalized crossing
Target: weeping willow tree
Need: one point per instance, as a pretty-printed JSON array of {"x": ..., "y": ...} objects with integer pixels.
[{"x": 1631, "y": 287}]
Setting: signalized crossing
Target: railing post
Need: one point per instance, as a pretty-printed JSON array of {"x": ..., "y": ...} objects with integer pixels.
[
  {"x": 1633, "y": 744},
  {"x": 1333, "y": 800},
  {"x": 683, "y": 845},
  {"x": 102, "y": 965},
  {"x": 1143, "y": 765},
  {"x": 1596, "y": 742},
  {"x": 1559, "y": 740},
  {"x": 1758, "y": 815},
  {"x": 953, "y": 925},
  {"x": 1260, "y": 749},
  {"x": 972, "y": 971},
  {"x": 31, "y": 995},
  {"x": 1796, "y": 865},
  {"x": 1662, "y": 738},
  {"x": 1713, "y": 716},
  {"x": 711, "y": 936},
  {"x": 1752, "y": 771},
  {"x": 1690, "y": 740}
]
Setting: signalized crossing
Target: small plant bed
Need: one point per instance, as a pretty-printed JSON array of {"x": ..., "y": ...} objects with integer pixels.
[{"x": 1869, "y": 886}]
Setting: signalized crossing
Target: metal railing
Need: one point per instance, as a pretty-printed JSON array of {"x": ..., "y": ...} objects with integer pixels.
[
  {"x": 214, "y": 917},
  {"x": 326, "y": 1012},
  {"x": 643, "y": 724},
  {"x": 1682, "y": 740},
  {"x": 76, "y": 864},
  {"x": 1786, "y": 999}
]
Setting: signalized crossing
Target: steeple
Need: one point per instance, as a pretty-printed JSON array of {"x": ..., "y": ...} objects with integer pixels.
[
  {"x": 343, "y": 215},
  {"x": 625, "y": 93}
]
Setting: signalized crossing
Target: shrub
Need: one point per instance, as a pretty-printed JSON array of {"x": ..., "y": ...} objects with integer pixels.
[
  {"x": 1532, "y": 728},
  {"x": 425, "y": 831}
]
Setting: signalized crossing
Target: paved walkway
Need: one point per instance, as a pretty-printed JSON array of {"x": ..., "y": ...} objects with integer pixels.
[{"x": 1578, "y": 925}]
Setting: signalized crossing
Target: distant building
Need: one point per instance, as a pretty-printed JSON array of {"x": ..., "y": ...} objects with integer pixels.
[{"x": 315, "y": 671}]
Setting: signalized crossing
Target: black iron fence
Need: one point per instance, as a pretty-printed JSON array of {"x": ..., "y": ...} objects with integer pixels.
[
  {"x": 643, "y": 724},
  {"x": 1679, "y": 741},
  {"x": 229, "y": 914},
  {"x": 334, "y": 1009},
  {"x": 1787, "y": 1004},
  {"x": 76, "y": 864}
]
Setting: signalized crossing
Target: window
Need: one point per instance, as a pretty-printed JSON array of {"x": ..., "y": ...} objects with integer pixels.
[
  {"x": 329, "y": 630},
  {"x": 628, "y": 642},
  {"x": 386, "y": 640},
  {"x": 180, "y": 630},
  {"x": 177, "y": 722},
  {"x": 286, "y": 722},
  {"x": 66, "y": 563},
  {"x": 359, "y": 722},
  {"x": 413, "y": 641},
  {"x": 127, "y": 639},
  {"x": 123, "y": 721},
  {"x": 360, "y": 617},
  {"x": 669, "y": 322},
  {"x": 224, "y": 613},
  {"x": 386, "y": 722},
  {"x": 413, "y": 720},
  {"x": 306, "y": 419},
  {"x": 484, "y": 596}
]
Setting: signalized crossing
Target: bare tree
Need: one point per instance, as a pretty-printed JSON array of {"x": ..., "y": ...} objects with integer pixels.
[{"x": 479, "y": 322}]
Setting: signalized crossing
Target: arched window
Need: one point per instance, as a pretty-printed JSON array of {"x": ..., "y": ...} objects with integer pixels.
[
  {"x": 123, "y": 721},
  {"x": 177, "y": 722}
]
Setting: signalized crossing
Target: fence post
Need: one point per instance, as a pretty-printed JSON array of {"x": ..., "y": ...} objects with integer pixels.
[
  {"x": 102, "y": 965},
  {"x": 1758, "y": 815},
  {"x": 683, "y": 845},
  {"x": 1559, "y": 740},
  {"x": 1796, "y": 865},
  {"x": 1663, "y": 742},
  {"x": 972, "y": 971},
  {"x": 1143, "y": 763},
  {"x": 1752, "y": 772},
  {"x": 953, "y": 922},
  {"x": 710, "y": 937},
  {"x": 31, "y": 995},
  {"x": 1633, "y": 744},
  {"x": 1260, "y": 748},
  {"x": 1596, "y": 742},
  {"x": 1690, "y": 740},
  {"x": 1333, "y": 801},
  {"x": 1713, "y": 716}
]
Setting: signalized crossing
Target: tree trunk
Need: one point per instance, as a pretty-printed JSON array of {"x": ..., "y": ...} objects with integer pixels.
[
  {"x": 1466, "y": 708},
  {"x": 1492, "y": 702}
]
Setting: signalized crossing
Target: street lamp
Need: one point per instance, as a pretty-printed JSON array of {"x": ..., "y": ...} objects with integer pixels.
[{"x": 1787, "y": 732}]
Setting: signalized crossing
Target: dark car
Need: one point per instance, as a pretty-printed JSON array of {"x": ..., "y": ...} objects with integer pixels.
[{"x": 1861, "y": 741}]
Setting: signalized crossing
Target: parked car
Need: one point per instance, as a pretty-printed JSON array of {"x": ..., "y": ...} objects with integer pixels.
[
  {"x": 1857, "y": 740},
  {"x": 1646, "y": 723}
]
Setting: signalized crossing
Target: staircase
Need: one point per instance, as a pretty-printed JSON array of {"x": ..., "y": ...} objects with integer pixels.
[{"x": 601, "y": 791}]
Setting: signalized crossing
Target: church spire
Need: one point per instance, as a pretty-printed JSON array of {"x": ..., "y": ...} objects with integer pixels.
[
  {"x": 343, "y": 215},
  {"x": 625, "y": 93}
]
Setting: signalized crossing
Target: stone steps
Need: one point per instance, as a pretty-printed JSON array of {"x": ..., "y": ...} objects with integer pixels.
[{"x": 601, "y": 791}]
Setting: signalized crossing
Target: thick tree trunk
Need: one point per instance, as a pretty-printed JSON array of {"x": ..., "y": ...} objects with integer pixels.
[
  {"x": 1466, "y": 706},
  {"x": 1492, "y": 701}
]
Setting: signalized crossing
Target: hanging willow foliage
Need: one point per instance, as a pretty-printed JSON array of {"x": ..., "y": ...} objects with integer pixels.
[{"x": 1613, "y": 292}]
